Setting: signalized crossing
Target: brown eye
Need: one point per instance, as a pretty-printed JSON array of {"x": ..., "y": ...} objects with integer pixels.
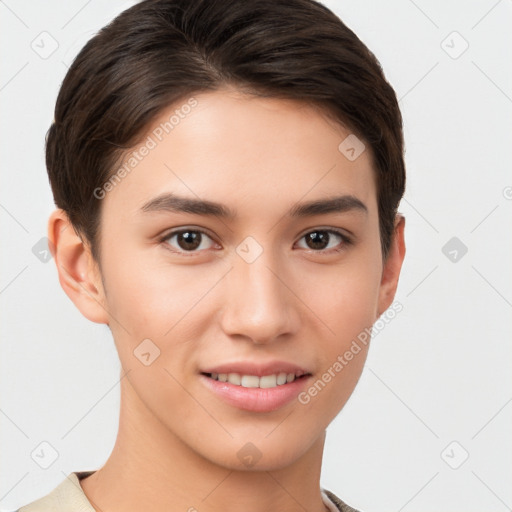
[
  {"x": 188, "y": 240},
  {"x": 322, "y": 239}
]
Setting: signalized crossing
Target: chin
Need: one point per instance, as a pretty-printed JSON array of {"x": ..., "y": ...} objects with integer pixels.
[{"x": 262, "y": 454}]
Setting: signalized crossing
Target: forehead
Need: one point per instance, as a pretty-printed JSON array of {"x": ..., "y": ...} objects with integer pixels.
[{"x": 245, "y": 151}]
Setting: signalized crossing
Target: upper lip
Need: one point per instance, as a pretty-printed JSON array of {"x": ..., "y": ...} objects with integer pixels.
[{"x": 259, "y": 370}]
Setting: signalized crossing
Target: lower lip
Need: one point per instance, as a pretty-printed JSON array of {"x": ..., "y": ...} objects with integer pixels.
[{"x": 256, "y": 399}]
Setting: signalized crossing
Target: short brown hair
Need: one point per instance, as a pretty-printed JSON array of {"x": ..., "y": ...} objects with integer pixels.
[{"x": 161, "y": 51}]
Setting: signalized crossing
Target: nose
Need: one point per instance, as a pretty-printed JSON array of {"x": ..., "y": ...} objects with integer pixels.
[{"x": 259, "y": 303}]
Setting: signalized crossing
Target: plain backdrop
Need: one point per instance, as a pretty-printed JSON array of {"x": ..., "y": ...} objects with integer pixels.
[{"x": 428, "y": 426}]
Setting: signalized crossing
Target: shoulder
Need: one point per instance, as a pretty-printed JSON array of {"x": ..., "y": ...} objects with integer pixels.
[
  {"x": 68, "y": 496},
  {"x": 340, "y": 505}
]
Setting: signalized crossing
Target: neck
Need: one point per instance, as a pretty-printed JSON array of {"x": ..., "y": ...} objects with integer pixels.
[{"x": 150, "y": 468}]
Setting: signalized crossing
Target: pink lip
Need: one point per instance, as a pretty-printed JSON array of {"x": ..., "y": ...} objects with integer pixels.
[
  {"x": 251, "y": 368},
  {"x": 256, "y": 399}
]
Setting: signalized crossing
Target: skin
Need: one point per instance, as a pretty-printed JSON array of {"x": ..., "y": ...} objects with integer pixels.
[{"x": 177, "y": 443}]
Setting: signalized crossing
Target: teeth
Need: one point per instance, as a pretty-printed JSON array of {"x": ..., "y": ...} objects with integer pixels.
[
  {"x": 281, "y": 379},
  {"x": 268, "y": 381},
  {"x": 234, "y": 378},
  {"x": 253, "y": 381},
  {"x": 250, "y": 381}
]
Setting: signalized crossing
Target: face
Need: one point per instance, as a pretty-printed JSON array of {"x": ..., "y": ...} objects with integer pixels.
[{"x": 260, "y": 287}]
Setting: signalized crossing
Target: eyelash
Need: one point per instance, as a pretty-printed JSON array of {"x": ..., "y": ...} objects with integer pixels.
[{"x": 346, "y": 241}]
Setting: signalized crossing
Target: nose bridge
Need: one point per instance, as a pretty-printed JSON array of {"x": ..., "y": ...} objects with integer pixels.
[{"x": 258, "y": 304}]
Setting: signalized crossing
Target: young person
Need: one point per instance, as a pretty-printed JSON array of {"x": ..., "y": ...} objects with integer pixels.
[{"x": 227, "y": 176}]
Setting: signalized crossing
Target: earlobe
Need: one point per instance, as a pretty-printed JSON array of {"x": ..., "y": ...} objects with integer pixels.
[
  {"x": 78, "y": 273},
  {"x": 392, "y": 266}
]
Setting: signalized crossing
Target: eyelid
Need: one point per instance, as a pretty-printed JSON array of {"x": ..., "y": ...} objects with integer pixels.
[{"x": 345, "y": 233}]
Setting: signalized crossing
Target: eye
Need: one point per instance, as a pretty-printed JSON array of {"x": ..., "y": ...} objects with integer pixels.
[
  {"x": 321, "y": 239},
  {"x": 194, "y": 240},
  {"x": 188, "y": 240}
]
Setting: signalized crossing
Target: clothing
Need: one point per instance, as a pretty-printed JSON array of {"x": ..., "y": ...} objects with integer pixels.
[{"x": 69, "y": 496}]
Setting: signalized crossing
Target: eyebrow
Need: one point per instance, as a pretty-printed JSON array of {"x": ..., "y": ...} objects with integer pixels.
[{"x": 173, "y": 203}]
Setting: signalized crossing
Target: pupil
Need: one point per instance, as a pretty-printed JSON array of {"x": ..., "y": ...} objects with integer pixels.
[
  {"x": 319, "y": 237},
  {"x": 191, "y": 240}
]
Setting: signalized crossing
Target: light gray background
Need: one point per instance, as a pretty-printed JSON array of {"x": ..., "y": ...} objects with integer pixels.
[{"x": 438, "y": 373}]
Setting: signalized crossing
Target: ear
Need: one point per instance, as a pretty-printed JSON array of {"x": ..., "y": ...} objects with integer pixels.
[
  {"x": 392, "y": 266},
  {"x": 79, "y": 274}
]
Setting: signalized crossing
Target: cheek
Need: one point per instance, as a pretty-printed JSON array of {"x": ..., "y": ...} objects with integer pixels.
[
  {"x": 151, "y": 295},
  {"x": 152, "y": 309},
  {"x": 346, "y": 299},
  {"x": 149, "y": 298},
  {"x": 349, "y": 314}
]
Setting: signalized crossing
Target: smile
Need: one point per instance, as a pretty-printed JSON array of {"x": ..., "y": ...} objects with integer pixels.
[{"x": 253, "y": 381}]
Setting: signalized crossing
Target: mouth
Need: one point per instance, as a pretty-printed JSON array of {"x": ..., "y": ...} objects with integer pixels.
[
  {"x": 256, "y": 387},
  {"x": 254, "y": 381}
]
